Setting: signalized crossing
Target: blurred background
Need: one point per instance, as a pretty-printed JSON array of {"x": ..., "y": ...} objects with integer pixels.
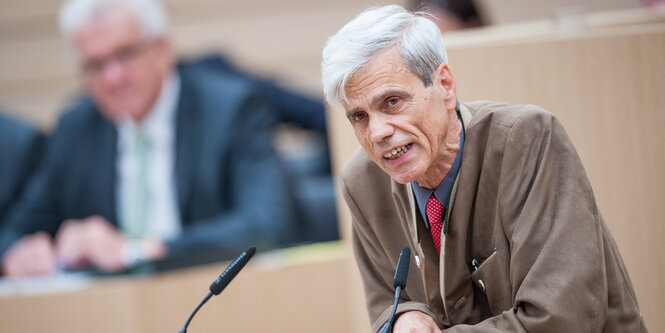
[
  {"x": 276, "y": 39},
  {"x": 599, "y": 65}
]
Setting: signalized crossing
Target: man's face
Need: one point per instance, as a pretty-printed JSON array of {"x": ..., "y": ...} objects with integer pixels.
[
  {"x": 401, "y": 124},
  {"x": 122, "y": 69}
]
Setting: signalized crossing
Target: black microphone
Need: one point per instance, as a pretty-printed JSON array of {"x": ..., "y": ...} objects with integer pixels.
[
  {"x": 399, "y": 282},
  {"x": 222, "y": 281}
]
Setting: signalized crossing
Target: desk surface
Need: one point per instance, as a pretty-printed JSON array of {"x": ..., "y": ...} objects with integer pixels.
[{"x": 294, "y": 290}]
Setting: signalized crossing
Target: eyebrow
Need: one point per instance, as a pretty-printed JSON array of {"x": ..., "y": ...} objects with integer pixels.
[{"x": 380, "y": 98}]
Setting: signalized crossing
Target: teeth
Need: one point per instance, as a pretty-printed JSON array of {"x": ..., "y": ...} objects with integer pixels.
[{"x": 396, "y": 153}]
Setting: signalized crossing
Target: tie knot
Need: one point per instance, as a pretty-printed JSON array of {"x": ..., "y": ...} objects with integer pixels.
[
  {"x": 433, "y": 204},
  {"x": 434, "y": 210}
]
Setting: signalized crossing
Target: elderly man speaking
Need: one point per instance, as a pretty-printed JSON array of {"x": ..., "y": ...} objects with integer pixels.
[{"x": 492, "y": 198}]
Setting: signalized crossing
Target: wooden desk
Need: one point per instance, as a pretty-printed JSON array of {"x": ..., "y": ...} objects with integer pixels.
[{"x": 293, "y": 290}]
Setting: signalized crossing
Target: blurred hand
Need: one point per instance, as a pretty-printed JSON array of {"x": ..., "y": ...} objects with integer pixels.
[
  {"x": 91, "y": 241},
  {"x": 415, "y": 322},
  {"x": 31, "y": 255}
]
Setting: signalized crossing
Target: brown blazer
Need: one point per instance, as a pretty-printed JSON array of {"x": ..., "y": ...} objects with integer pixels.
[{"x": 523, "y": 207}]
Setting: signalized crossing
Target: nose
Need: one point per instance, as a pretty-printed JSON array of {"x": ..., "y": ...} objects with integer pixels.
[
  {"x": 380, "y": 128},
  {"x": 112, "y": 72}
]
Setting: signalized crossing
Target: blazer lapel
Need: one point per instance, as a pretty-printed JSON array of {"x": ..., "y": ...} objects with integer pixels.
[
  {"x": 187, "y": 143},
  {"x": 454, "y": 289},
  {"x": 106, "y": 168},
  {"x": 425, "y": 255}
]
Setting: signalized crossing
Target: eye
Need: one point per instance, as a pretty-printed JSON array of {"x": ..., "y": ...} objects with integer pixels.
[
  {"x": 392, "y": 102},
  {"x": 93, "y": 66},
  {"x": 357, "y": 117}
]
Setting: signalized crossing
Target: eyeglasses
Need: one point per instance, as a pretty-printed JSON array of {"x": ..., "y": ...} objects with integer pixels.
[{"x": 122, "y": 56}]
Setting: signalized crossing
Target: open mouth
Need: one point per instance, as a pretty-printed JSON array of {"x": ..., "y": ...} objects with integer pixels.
[{"x": 397, "y": 152}]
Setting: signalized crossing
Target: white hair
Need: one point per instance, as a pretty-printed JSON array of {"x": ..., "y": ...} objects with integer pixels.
[
  {"x": 346, "y": 53},
  {"x": 151, "y": 15}
]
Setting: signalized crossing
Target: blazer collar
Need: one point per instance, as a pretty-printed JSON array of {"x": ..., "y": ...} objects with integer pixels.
[
  {"x": 188, "y": 138},
  {"x": 414, "y": 225},
  {"x": 105, "y": 148}
]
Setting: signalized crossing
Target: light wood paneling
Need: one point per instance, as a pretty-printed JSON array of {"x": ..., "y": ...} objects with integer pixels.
[
  {"x": 277, "y": 292},
  {"x": 509, "y": 11}
]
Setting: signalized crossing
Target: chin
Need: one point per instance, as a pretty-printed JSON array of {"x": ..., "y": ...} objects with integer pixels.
[
  {"x": 402, "y": 178},
  {"x": 401, "y": 181}
]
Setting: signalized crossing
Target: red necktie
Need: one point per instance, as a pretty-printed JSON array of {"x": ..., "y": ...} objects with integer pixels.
[{"x": 435, "y": 210}]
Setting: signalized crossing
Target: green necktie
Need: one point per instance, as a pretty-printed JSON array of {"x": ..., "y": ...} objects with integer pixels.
[{"x": 135, "y": 209}]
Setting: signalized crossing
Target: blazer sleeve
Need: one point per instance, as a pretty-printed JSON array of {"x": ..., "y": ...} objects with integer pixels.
[
  {"x": 34, "y": 209},
  {"x": 260, "y": 212},
  {"x": 21, "y": 150},
  {"x": 375, "y": 268},
  {"x": 557, "y": 239}
]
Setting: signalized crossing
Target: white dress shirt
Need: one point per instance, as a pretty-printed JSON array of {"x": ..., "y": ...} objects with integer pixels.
[{"x": 161, "y": 211}]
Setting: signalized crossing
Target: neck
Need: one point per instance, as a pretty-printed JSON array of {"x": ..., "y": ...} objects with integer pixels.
[
  {"x": 434, "y": 176},
  {"x": 138, "y": 119}
]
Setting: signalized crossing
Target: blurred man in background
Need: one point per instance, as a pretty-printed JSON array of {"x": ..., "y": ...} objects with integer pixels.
[{"x": 158, "y": 162}]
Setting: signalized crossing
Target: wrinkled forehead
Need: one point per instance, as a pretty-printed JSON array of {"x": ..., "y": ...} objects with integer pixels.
[
  {"x": 387, "y": 64},
  {"x": 386, "y": 72}
]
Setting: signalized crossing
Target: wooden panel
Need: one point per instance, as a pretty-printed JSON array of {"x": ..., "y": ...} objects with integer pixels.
[
  {"x": 508, "y": 11},
  {"x": 284, "y": 291}
]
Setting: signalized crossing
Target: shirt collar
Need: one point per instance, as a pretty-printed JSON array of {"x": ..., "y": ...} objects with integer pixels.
[{"x": 158, "y": 122}]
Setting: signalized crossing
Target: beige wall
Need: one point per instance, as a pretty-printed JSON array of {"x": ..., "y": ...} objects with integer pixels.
[
  {"x": 297, "y": 291},
  {"x": 511, "y": 11}
]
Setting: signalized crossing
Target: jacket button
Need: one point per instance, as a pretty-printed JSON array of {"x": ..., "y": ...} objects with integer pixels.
[{"x": 417, "y": 261}]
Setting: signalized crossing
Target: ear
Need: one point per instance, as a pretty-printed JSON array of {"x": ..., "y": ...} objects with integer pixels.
[
  {"x": 165, "y": 52},
  {"x": 444, "y": 80}
]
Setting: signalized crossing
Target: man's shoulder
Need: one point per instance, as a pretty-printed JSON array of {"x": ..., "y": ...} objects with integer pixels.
[
  {"x": 216, "y": 95},
  {"x": 361, "y": 173},
  {"x": 80, "y": 112},
  {"x": 15, "y": 130},
  {"x": 213, "y": 84},
  {"x": 80, "y": 123},
  {"x": 507, "y": 115},
  {"x": 20, "y": 146},
  {"x": 358, "y": 165}
]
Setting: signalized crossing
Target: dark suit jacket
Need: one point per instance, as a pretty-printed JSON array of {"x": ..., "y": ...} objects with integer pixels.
[
  {"x": 20, "y": 150},
  {"x": 290, "y": 106},
  {"x": 310, "y": 176},
  {"x": 230, "y": 187}
]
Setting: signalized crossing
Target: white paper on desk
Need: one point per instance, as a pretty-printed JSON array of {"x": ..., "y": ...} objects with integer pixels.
[{"x": 61, "y": 282}]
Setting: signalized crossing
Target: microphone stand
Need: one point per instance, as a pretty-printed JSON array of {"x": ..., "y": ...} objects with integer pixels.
[
  {"x": 222, "y": 281},
  {"x": 399, "y": 282},
  {"x": 388, "y": 326},
  {"x": 205, "y": 299}
]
